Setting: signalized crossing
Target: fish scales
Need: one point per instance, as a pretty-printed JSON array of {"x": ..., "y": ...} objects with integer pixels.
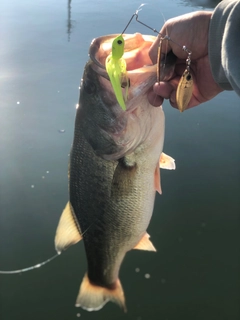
[{"x": 108, "y": 199}]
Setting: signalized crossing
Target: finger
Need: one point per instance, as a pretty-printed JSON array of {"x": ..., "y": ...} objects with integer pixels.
[
  {"x": 154, "y": 99},
  {"x": 164, "y": 89}
]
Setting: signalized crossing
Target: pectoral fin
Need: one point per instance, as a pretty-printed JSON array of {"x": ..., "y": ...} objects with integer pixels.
[
  {"x": 67, "y": 232},
  {"x": 145, "y": 244},
  {"x": 166, "y": 162},
  {"x": 124, "y": 176}
]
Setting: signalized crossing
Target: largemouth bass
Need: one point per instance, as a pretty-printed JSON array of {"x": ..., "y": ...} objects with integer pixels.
[{"x": 114, "y": 169}]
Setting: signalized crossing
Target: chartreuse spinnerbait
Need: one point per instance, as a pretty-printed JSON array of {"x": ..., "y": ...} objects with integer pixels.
[{"x": 185, "y": 85}]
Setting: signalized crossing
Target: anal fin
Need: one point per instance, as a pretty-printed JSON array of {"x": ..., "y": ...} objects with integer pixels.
[
  {"x": 67, "y": 232},
  {"x": 92, "y": 297},
  {"x": 145, "y": 244}
]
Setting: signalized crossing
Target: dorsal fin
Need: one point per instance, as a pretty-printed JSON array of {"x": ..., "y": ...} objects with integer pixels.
[{"x": 67, "y": 232}]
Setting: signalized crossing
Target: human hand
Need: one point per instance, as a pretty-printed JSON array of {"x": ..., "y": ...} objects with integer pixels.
[{"x": 190, "y": 30}]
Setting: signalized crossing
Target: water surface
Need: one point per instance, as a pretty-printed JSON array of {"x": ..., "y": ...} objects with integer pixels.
[{"x": 195, "y": 225}]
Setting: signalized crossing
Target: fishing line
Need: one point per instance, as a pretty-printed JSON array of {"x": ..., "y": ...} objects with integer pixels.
[
  {"x": 39, "y": 265},
  {"x": 36, "y": 266}
]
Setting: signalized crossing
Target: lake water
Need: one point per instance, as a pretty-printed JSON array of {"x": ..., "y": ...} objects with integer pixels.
[{"x": 195, "y": 226}]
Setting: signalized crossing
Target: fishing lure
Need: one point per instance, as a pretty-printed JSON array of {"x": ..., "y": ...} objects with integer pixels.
[
  {"x": 117, "y": 70},
  {"x": 184, "y": 91},
  {"x": 185, "y": 85}
]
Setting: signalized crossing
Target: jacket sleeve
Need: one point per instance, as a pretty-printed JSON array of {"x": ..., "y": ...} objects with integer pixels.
[{"x": 224, "y": 45}]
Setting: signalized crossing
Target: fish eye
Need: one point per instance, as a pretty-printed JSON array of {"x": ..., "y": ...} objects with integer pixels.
[
  {"x": 119, "y": 42},
  {"x": 189, "y": 77},
  {"x": 89, "y": 86}
]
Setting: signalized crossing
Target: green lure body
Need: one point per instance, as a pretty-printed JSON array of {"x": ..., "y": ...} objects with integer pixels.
[{"x": 117, "y": 70}]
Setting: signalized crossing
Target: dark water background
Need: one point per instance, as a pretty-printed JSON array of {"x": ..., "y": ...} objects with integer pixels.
[{"x": 195, "y": 225}]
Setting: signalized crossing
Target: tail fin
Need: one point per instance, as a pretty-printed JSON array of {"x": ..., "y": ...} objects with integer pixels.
[{"x": 93, "y": 298}]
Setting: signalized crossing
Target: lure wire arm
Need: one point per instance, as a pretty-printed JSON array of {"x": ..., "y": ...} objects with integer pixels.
[
  {"x": 162, "y": 37},
  {"x": 128, "y": 23}
]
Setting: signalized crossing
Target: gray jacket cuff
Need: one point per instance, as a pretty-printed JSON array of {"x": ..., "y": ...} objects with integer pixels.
[{"x": 224, "y": 45}]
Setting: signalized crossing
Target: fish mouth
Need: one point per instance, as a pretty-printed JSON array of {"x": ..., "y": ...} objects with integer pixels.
[
  {"x": 135, "y": 54},
  {"x": 119, "y": 132}
]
